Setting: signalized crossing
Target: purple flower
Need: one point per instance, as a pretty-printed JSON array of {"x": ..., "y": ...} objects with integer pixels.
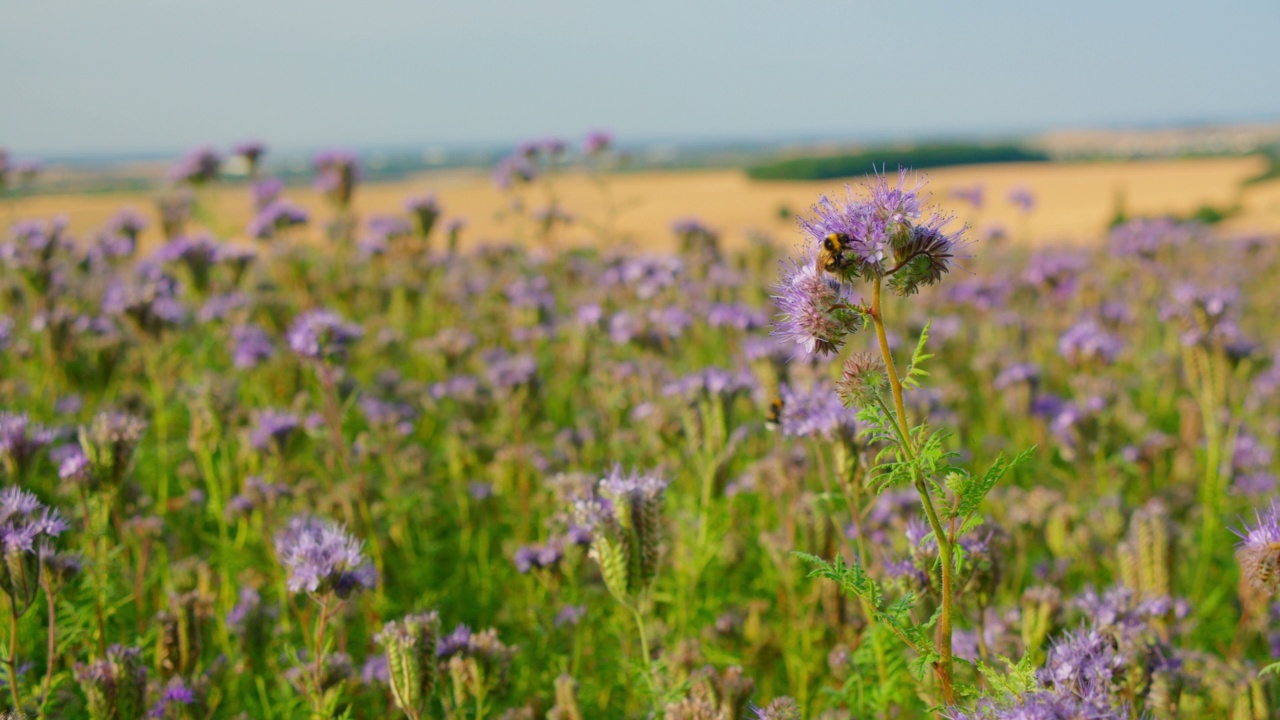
[
  {"x": 252, "y": 152},
  {"x": 454, "y": 643},
  {"x": 176, "y": 691},
  {"x": 22, "y": 440},
  {"x": 596, "y": 142},
  {"x": 816, "y": 310},
  {"x": 266, "y": 191},
  {"x": 514, "y": 170},
  {"x": 711, "y": 382},
  {"x": 570, "y": 615},
  {"x": 115, "y": 686},
  {"x": 1057, "y": 273},
  {"x": 1145, "y": 238},
  {"x": 250, "y": 346},
  {"x": 388, "y": 416},
  {"x": 149, "y": 299},
  {"x": 1022, "y": 198},
  {"x": 737, "y": 315},
  {"x": 1086, "y": 341},
  {"x": 25, "y": 525},
  {"x": 541, "y": 557},
  {"x": 337, "y": 172},
  {"x": 816, "y": 412},
  {"x": 274, "y": 217},
  {"x": 273, "y": 430},
  {"x": 510, "y": 371},
  {"x": 375, "y": 670},
  {"x": 1259, "y": 550},
  {"x": 425, "y": 210},
  {"x": 974, "y": 195},
  {"x": 128, "y": 222},
  {"x": 322, "y": 557},
  {"x": 322, "y": 335},
  {"x": 197, "y": 167},
  {"x": 1017, "y": 373}
]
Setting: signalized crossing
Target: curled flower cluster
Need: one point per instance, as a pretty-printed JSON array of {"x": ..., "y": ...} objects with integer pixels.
[
  {"x": 625, "y": 521},
  {"x": 410, "y": 645},
  {"x": 25, "y": 525},
  {"x": 116, "y": 686}
]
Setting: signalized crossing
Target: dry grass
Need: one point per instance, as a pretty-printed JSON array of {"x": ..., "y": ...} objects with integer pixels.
[{"x": 1074, "y": 201}]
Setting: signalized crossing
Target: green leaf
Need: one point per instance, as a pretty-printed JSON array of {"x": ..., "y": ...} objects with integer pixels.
[
  {"x": 1019, "y": 680},
  {"x": 917, "y": 358},
  {"x": 973, "y": 490}
]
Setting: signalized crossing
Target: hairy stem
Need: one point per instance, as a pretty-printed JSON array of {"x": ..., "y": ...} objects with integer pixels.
[{"x": 943, "y": 666}]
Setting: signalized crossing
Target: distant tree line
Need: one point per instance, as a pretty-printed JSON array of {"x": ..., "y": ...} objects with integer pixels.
[{"x": 918, "y": 157}]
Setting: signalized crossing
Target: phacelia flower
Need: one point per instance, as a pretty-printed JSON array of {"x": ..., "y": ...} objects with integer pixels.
[
  {"x": 322, "y": 335},
  {"x": 625, "y": 521},
  {"x": 274, "y": 217},
  {"x": 21, "y": 441},
  {"x": 337, "y": 172},
  {"x": 425, "y": 210},
  {"x": 250, "y": 346},
  {"x": 783, "y": 708},
  {"x": 816, "y": 310},
  {"x": 1022, "y": 198},
  {"x": 1259, "y": 550},
  {"x": 1086, "y": 341},
  {"x": 273, "y": 430},
  {"x": 596, "y": 142},
  {"x": 115, "y": 686},
  {"x": 25, "y": 525},
  {"x": 816, "y": 412},
  {"x": 863, "y": 378},
  {"x": 197, "y": 167},
  {"x": 107, "y": 445},
  {"x": 322, "y": 557}
]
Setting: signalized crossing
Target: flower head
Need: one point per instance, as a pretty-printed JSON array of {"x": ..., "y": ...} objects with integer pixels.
[
  {"x": 26, "y": 525},
  {"x": 197, "y": 167},
  {"x": 1259, "y": 550},
  {"x": 115, "y": 686},
  {"x": 322, "y": 557},
  {"x": 322, "y": 335},
  {"x": 816, "y": 309},
  {"x": 274, "y": 217}
]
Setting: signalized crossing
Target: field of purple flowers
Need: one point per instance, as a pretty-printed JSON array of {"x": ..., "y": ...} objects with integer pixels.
[{"x": 877, "y": 469}]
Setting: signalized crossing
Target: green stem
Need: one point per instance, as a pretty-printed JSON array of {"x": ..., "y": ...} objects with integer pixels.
[
  {"x": 317, "y": 670},
  {"x": 13, "y": 656},
  {"x": 53, "y": 647},
  {"x": 943, "y": 666}
]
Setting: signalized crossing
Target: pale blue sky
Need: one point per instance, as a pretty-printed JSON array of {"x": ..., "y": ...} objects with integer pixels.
[{"x": 131, "y": 75}]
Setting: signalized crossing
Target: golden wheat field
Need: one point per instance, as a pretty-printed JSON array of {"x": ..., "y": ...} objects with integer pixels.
[{"x": 1074, "y": 201}]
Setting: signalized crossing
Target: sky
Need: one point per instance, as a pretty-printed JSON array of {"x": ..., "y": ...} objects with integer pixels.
[{"x": 86, "y": 76}]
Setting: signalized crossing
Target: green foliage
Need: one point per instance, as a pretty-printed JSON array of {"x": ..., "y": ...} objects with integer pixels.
[
  {"x": 970, "y": 491},
  {"x": 1016, "y": 680},
  {"x": 896, "y": 615}
]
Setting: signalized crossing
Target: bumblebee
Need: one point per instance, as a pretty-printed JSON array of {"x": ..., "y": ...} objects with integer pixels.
[
  {"x": 831, "y": 256},
  {"x": 773, "y": 419}
]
